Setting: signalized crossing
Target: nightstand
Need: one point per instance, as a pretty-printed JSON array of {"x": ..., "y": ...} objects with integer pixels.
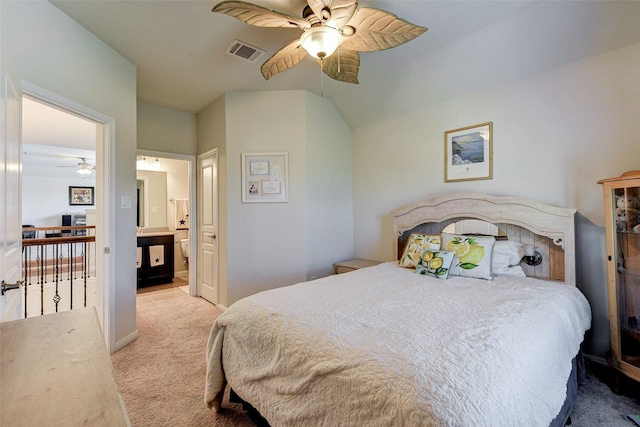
[{"x": 354, "y": 264}]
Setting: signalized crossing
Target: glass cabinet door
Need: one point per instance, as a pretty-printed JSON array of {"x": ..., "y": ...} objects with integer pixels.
[
  {"x": 628, "y": 274},
  {"x": 622, "y": 211}
]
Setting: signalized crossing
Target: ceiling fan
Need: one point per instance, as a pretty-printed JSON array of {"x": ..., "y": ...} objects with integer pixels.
[
  {"x": 83, "y": 167},
  {"x": 327, "y": 25}
]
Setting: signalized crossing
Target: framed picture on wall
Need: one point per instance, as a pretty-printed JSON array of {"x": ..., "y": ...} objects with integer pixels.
[
  {"x": 81, "y": 196},
  {"x": 265, "y": 177},
  {"x": 468, "y": 153}
]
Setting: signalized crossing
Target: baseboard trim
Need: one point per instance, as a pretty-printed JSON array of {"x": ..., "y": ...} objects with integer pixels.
[
  {"x": 221, "y": 307},
  {"x": 126, "y": 340},
  {"x": 182, "y": 274}
]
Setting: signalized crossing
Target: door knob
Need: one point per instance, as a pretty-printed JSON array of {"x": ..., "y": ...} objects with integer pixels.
[{"x": 9, "y": 286}]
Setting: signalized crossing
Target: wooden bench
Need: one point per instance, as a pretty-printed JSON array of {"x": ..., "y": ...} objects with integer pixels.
[{"x": 56, "y": 370}]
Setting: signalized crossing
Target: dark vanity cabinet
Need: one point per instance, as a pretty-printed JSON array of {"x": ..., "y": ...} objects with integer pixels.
[{"x": 155, "y": 270}]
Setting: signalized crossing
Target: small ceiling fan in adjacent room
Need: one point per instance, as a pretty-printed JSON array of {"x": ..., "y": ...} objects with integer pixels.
[
  {"x": 83, "y": 167},
  {"x": 328, "y": 26}
]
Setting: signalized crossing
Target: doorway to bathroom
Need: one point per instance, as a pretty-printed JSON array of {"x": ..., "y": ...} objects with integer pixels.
[{"x": 166, "y": 204}]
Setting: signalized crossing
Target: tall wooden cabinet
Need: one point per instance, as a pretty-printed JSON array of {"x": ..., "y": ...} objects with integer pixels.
[{"x": 622, "y": 219}]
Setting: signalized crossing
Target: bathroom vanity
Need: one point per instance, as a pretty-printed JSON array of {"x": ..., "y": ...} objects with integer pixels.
[{"x": 155, "y": 258}]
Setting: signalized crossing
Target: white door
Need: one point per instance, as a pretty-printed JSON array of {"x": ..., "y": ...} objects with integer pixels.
[
  {"x": 10, "y": 194},
  {"x": 208, "y": 226}
]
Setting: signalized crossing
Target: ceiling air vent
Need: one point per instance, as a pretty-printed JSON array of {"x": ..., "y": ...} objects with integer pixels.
[{"x": 244, "y": 51}]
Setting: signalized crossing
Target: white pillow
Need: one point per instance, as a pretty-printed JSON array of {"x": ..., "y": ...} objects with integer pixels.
[
  {"x": 506, "y": 258},
  {"x": 473, "y": 255},
  {"x": 514, "y": 270}
]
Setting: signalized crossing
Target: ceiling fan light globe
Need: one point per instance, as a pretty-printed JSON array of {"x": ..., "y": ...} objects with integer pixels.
[{"x": 320, "y": 42}]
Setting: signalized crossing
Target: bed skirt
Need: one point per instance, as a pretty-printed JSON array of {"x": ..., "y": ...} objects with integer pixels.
[{"x": 576, "y": 378}]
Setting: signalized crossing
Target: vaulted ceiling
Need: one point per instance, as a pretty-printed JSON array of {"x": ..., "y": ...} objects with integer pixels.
[{"x": 179, "y": 48}]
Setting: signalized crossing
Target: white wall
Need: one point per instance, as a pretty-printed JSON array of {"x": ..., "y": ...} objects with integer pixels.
[
  {"x": 555, "y": 135},
  {"x": 268, "y": 245},
  {"x": 48, "y": 49},
  {"x": 166, "y": 129},
  {"x": 265, "y": 239},
  {"x": 329, "y": 187},
  {"x": 45, "y": 199}
]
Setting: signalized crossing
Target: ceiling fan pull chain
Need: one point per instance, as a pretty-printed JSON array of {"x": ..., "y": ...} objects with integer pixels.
[
  {"x": 338, "y": 59},
  {"x": 321, "y": 77}
]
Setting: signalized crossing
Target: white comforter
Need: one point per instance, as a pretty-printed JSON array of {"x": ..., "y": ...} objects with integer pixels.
[{"x": 385, "y": 346}]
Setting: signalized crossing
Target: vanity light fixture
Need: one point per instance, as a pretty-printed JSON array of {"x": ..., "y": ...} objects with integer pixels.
[{"x": 141, "y": 162}]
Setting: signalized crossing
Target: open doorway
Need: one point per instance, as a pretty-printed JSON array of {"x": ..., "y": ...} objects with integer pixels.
[
  {"x": 58, "y": 160},
  {"x": 166, "y": 204},
  {"x": 103, "y": 141}
]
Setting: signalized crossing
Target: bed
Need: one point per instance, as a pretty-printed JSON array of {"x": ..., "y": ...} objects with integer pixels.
[{"x": 384, "y": 345}]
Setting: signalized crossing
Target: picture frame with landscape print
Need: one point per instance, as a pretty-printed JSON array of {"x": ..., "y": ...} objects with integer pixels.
[
  {"x": 469, "y": 153},
  {"x": 81, "y": 196}
]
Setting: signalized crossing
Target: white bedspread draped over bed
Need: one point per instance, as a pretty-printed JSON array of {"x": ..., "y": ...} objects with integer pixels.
[{"x": 385, "y": 346}]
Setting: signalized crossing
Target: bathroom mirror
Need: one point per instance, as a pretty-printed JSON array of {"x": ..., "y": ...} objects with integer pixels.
[
  {"x": 152, "y": 198},
  {"x": 140, "y": 203}
]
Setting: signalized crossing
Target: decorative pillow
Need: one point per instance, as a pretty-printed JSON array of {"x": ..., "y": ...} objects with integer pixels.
[
  {"x": 506, "y": 258},
  {"x": 416, "y": 245},
  {"x": 435, "y": 263},
  {"x": 472, "y": 254}
]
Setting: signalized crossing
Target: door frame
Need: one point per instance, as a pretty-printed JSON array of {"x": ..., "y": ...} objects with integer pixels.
[
  {"x": 105, "y": 202},
  {"x": 193, "y": 216}
]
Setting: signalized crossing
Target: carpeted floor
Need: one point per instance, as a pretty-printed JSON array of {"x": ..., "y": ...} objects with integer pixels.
[
  {"x": 161, "y": 374},
  {"x": 598, "y": 405}
]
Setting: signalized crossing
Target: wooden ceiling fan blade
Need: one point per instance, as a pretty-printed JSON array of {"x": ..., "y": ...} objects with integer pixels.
[
  {"x": 283, "y": 59},
  {"x": 341, "y": 10},
  {"x": 259, "y": 16},
  {"x": 377, "y": 29},
  {"x": 343, "y": 66}
]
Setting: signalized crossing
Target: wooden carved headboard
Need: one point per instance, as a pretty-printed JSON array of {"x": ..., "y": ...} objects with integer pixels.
[{"x": 551, "y": 229}]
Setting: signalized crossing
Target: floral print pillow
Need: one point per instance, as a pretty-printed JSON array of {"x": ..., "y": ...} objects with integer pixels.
[
  {"x": 472, "y": 254},
  {"x": 416, "y": 245},
  {"x": 435, "y": 263}
]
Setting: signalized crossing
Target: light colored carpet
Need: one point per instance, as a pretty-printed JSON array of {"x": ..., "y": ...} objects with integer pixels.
[
  {"x": 598, "y": 405},
  {"x": 161, "y": 374}
]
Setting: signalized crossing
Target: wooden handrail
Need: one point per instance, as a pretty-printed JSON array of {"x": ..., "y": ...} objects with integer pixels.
[
  {"x": 59, "y": 227},
  {"x": 52, "y": 240},
  {"x": 61, "y": 239}
]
